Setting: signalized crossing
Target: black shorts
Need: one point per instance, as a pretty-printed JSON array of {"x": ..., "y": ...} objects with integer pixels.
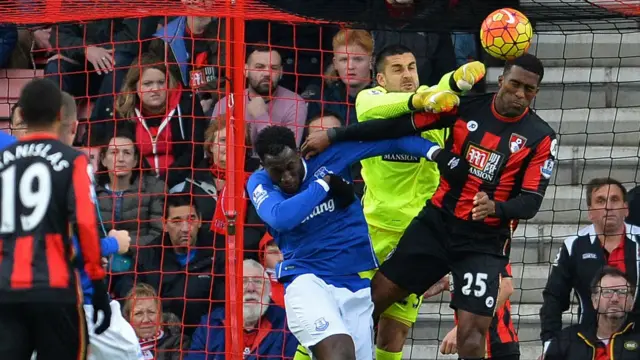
[
  {"x": 434, "y": 245},
  {"x": 57, "y": 331}
]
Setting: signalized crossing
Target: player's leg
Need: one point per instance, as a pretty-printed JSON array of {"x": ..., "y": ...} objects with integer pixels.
[
  {"x": 60, "y": 331},
  {"x": 15, "y": 339},
  {"x": 314, "y": 318},
  {"x": 119, "y": 341},
  {"x": 476, "y": 280},
  {"x": 418, "y": 262},
  {"x": 357, "y": 310},
  {"x": 395, "y": 322}
]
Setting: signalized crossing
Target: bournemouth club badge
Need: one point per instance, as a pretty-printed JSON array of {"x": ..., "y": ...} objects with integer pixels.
[{"x": 516, "y": 142}]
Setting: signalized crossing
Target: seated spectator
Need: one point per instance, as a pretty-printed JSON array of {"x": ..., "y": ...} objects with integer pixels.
[
  {"x": 129, "y": 196},
  {"x": 17, "y": 125},
  {"x": 187, "y": 277},
  {"x": 349, "y": 73},
  {"x": 206, "y": 182},
  {"x": 8, "y": 41},
  {"x": 270, "y": 256},
  {"x": 191, "y": 44},
  {"x": 612, "y": 295},
  {"x": 266, "y": 334},
  {"x": 634, "y": 206},
  {"x": 168, "y": 125},
  {"x": 159, "y": 332},
  {"x": 267, "y": 103}
]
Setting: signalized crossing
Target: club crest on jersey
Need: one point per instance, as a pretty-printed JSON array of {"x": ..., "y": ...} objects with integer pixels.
[
  {"x": 516, "y": 142},
  {"x": 483, "y": 163}
]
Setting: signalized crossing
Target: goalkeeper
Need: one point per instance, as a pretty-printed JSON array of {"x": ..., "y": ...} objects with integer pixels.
[{"x": 398, "y": 185}]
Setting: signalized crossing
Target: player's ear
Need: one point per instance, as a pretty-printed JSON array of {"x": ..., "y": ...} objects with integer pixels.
[
  {"x": 500, "y": 80},
  {"x": 380, "y": 79}
]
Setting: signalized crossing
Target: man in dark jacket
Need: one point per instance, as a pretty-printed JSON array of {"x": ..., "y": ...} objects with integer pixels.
[
  {"x": 608, "y": 241},
  {"x": 189, "y": 279},
  {"x": 612, "y": 336}
]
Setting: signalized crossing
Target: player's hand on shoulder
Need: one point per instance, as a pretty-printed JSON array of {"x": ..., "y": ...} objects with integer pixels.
[
  {"x": 435, "y": 101},
  {"x": 449, "y": 343},
  {"x": 341, "y": 190},
  {"x": 456, "y": 168},
  {"x": 469, "y": 74},
  {"x": 123, "y": 238},
  {"x": 315, "y": 143},
  {"x": 482, "y": 206}
]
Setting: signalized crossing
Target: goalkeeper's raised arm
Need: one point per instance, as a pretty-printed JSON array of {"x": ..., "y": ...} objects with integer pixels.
[{"x": 398, "y": 91}]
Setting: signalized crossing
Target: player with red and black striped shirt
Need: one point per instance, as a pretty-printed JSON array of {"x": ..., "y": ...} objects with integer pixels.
[
  {"x": 46, "y": 191},
  {"x": 502, "y": 157}
]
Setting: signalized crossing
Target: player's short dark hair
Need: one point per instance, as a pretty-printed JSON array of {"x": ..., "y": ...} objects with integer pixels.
[
  {"x": 260, "y": 47},
  {"x": 527, "y": 62},
  {"x": 40, "y": 102},
  {"x": 597, "y": 183},
  {"x": 272, "y": 140},
  {"x": 395, "y": 49},
  {"x": 609, "y": 271},
  {"x": 180, "y": 199}
]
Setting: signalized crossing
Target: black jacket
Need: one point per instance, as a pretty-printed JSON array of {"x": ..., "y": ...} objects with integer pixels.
[
  {"x": 577, "y": 263},
  {"x": 579, "y": 342},
  {"x": 189, "y": 292}
]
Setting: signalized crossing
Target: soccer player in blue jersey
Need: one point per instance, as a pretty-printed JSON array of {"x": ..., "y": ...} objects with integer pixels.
[{"x": 311, "y": 212}]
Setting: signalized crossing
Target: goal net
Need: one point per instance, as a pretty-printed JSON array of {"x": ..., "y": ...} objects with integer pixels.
[{"x": 171, "y": 96}]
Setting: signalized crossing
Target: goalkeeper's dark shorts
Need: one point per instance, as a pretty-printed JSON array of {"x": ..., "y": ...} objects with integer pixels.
[
  {"x": 56, "y": 331},
  {"x": 434, "y": 245}
]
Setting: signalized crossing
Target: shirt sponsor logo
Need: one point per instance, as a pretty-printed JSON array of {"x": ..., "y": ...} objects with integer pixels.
[
  {"x": 327, "y": 206},
  {"x": 483, "y": 163},
  {"x": 403, "y": 158},
  {"x": 516, "y": 142},
  {"x": 589, "y": 256}
]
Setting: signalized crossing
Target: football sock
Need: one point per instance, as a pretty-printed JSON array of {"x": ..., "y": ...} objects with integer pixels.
[{"x": 386, "y": 355}]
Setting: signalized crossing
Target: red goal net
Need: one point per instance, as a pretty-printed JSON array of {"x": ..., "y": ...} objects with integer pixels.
[{"x": 171, "y": 96}]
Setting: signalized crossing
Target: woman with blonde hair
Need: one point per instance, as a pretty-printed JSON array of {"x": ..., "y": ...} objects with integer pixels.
[
  {"x": 166, "y": 119},
  {"x": 349, "y": 73}
]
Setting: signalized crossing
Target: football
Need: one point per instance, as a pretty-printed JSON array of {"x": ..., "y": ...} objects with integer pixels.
[{"x": 506, "y": 34}]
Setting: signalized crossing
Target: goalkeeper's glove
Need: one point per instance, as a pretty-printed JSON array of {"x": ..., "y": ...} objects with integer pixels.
[
  {"x": 435, "y": 101},
  {"x": 455, "y": 167},
  {"x": 468, "y": 75},
  {"x": 100, "y": 301},
  {"x": 341, "y": 191}
]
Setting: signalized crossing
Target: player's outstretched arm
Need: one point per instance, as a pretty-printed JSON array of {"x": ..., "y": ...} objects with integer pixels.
[
  {"x": 463, "y": 78},
  {"x": 352, "y": 152},
  {"x": 282, "y": 213}
]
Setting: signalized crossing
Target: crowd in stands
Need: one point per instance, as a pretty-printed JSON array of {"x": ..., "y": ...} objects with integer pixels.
[{"x": 157, "y": 138}]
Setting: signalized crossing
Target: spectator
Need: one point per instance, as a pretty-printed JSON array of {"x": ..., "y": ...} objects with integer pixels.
[
  {"x": 612, "y": 295},
  {"x": 129, "y": 196},
  {"x": 331, "y": 120},
  {"x": 270, "y": 256},
  {"x": 187, "y": 276},
  {"x": 265, "y": 331},
  {"x": 8, "y": 41},
  {"x": 17, "y": 125},
  {"x": 267, "y": 103},
  {"x": 34, "y": 45},
  {"x": 168, "y": 125},
  {"x": 634, "y": 206},
  {"x": 206, "y": 183},
  {"x": 86, "y": 57},
  {"x": 192, "y": 45},
  {"x": 159, "y": 332},
  {"x": 349, "y": 73},
  {"x": 608, "y": 241}
]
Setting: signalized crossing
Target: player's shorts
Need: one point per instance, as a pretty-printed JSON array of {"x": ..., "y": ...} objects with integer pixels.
[
  {"x": 405, "y": 311},
  {"x": 56, "y": 331},
  {"x": 119, "y": 341},
  {"x": 434, "y": 245},
  {"x": 316, "y": 310}
]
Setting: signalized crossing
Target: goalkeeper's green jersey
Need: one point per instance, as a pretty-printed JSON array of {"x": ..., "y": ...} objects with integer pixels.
[{"x": 396, "y": 185}]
